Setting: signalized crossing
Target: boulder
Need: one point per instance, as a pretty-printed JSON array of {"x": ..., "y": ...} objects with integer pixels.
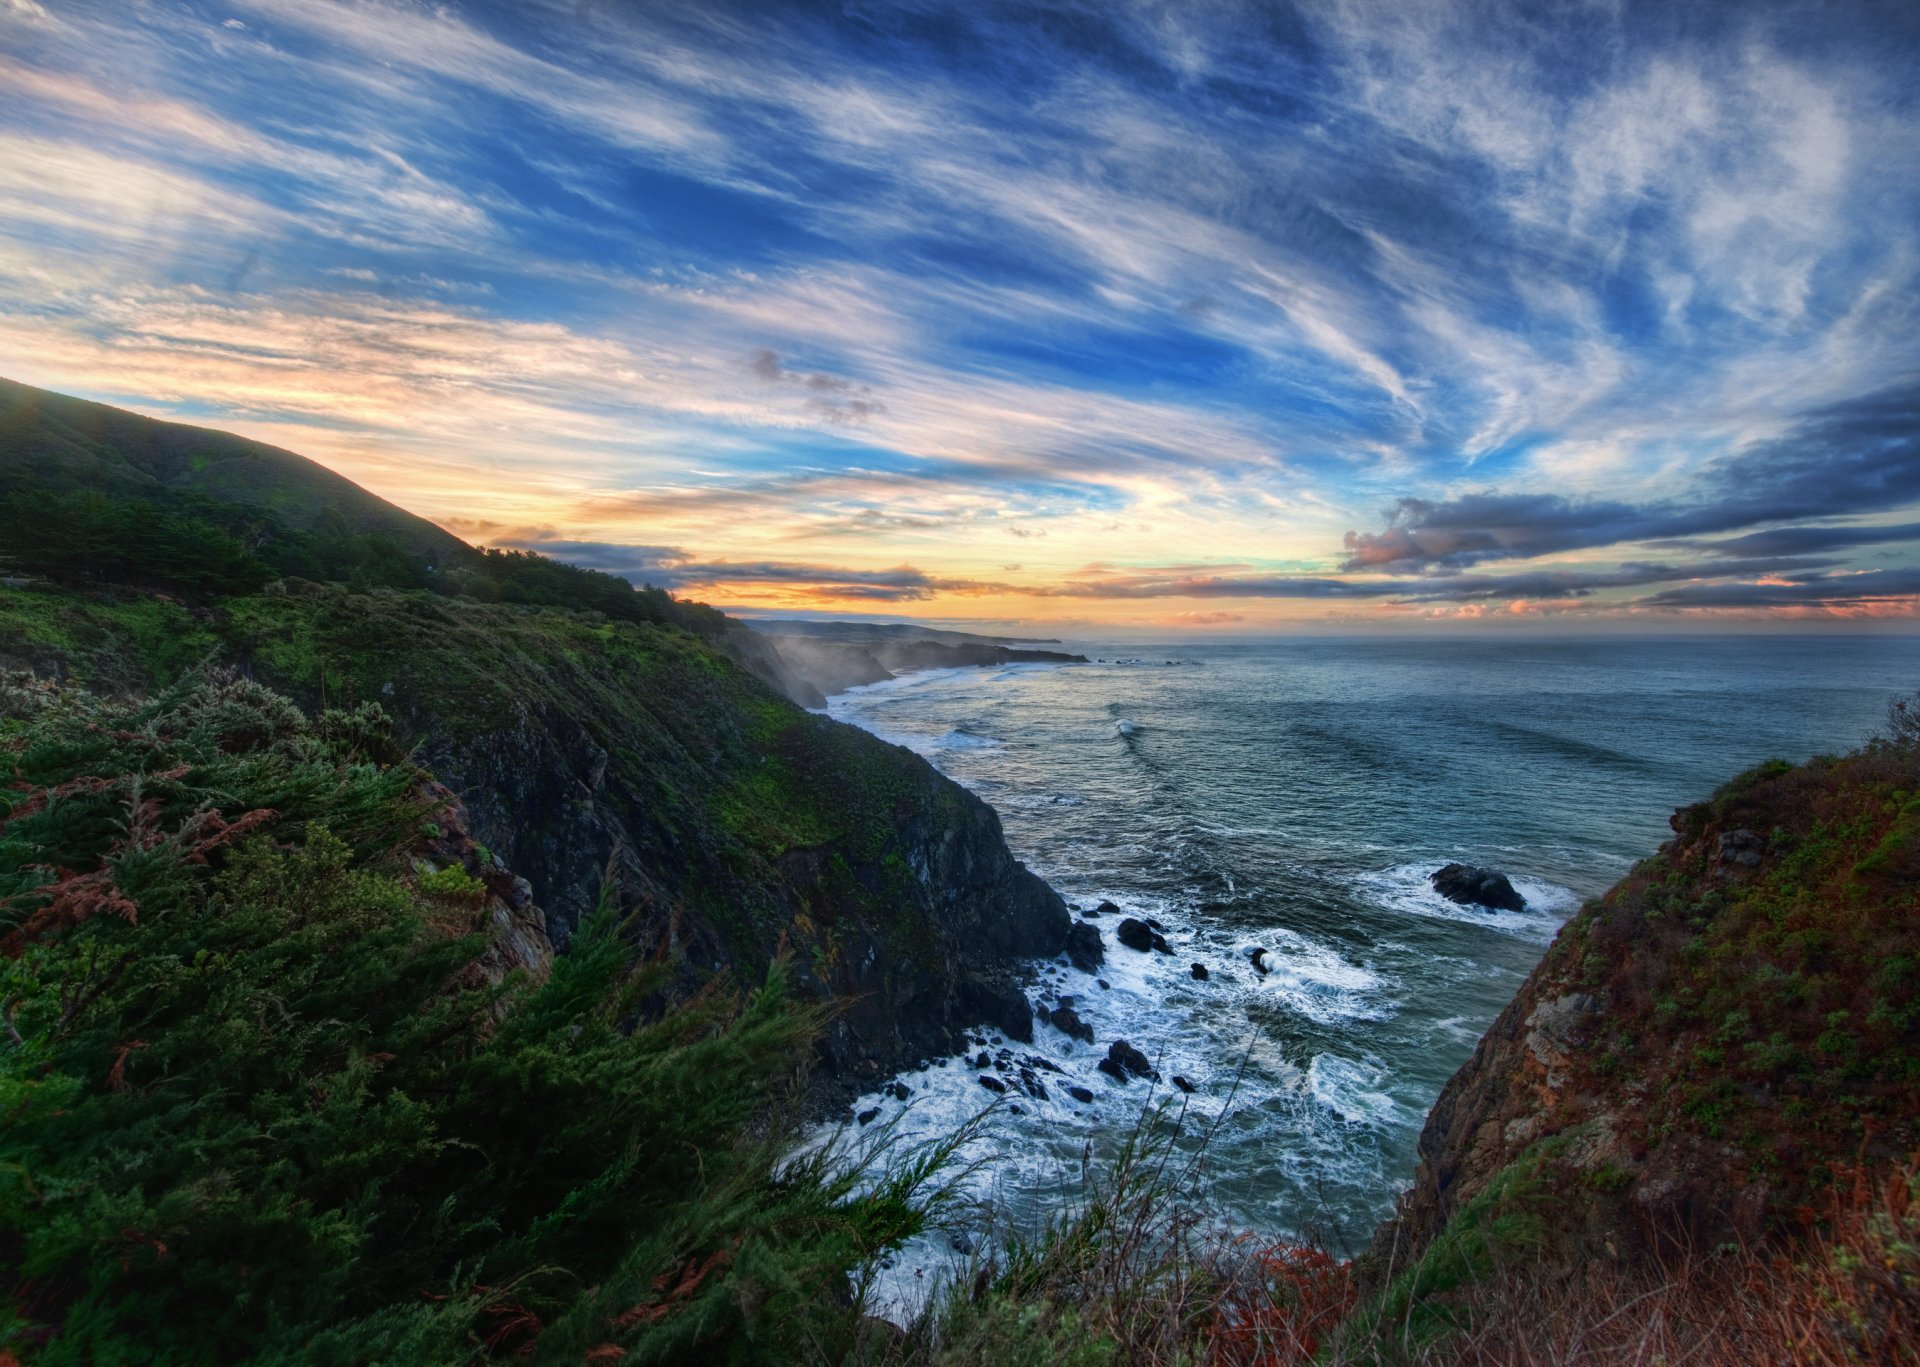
[
  {"x": 1067, "y": 1021},
  {"x": 1471, "y": 886},
  {"x": 1080, "y": 1094},
  {"x": 1182, "y": 1083},
  {"x": 1084, "y": 947},
  {"x": 1128, "y": 1059},
  {"x": 1200, "y": 973},
  {"x": 1104, "y": 909},
  {"x": 1257, "y": 956},
  {"x": 1135, "y": 934},
  {"x": 992, "y": 1084},
  {"x": 867, "y": 1117}
]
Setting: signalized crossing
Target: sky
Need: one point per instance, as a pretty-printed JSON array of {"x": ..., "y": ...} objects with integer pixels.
[{"x": 1100, "y": 318}]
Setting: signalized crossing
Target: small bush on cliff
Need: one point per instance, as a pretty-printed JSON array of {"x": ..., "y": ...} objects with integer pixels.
[{"x": 259, "y": 1098}]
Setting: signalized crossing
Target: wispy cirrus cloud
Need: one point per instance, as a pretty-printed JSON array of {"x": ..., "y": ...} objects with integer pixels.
[{"x": 1584, "y": 297}]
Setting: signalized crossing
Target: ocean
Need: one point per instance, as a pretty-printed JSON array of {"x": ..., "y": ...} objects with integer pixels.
[{"x": 1293, "y": 796}]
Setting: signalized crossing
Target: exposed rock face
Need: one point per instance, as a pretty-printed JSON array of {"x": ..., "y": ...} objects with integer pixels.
[
  {"x": 1471, "y": 886},
  {"x": 520, "y": 928}
]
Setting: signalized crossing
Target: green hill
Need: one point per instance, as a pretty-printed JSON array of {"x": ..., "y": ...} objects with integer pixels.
[{"x": 595, "y": 730}]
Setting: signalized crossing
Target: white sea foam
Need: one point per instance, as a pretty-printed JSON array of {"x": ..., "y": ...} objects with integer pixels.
[{"x": 1123, "y": 727}]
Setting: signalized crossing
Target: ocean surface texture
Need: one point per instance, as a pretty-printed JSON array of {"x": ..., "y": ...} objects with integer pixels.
[{"x": 1293, "y": 797}]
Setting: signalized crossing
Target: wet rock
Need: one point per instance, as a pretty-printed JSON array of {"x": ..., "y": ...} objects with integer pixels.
[
  {"x": 1113, "y": 1070},
  {"x": 992, "y": 1084},
  {"x": 900, "y": 1091},
  {"x": 1154, "y": 925},
  {"x": 1080, "y": 1094},
  {"x": 1104, "y": 909},
  {"x": 1471, "y": 886},
  {"x": 1182, "y": 1083},
  {"x": 1105, "y": 986},
  {"x": 1200, "y": 973},
  {"x": 959, "y": 1242},
  {"x": 1135, "y": 934},
  {"x": 1045, "y": 1065},
  {"x": 1084, "y": 947},
  {"x": 1067, "y": 1021},
  {"x": 1258, "y": 958},
  {"x": 1032, "y": 1085},
  {"x": 983, "y": 1059},
  {"x": 1001, "y": 1004},
  {"x": 1129, "y": 1059},
  {"x": 867, "y": 1117}
]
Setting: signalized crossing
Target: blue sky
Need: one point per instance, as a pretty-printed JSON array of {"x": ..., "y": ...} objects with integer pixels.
[{"x": 1216, "y": 316}]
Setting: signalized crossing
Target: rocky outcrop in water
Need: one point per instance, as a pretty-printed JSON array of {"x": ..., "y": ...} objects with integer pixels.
[{"x": 1471, "y": 886}]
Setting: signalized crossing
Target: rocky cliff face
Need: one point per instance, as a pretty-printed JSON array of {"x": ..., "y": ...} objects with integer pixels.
[
  {"x": 1703, "y": 1048},
  {"x": 733, "y": 824}
]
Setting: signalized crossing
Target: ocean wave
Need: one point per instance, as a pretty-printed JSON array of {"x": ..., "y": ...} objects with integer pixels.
[{"x": 1123, "y": 727}]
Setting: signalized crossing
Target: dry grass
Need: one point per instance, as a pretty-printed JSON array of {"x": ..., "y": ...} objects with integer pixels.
[
  {"x": 1847, "y": 1293},
  {"x": 1138, "y": 1275}
]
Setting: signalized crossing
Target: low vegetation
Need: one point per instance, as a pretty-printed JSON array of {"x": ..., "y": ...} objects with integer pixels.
[{"x": 260, "y": 1101}]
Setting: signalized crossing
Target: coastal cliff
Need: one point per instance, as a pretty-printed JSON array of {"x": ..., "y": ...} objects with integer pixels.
[
  {"x": 593, "y": 731},
  {"x": 1706, "y": 1051}
]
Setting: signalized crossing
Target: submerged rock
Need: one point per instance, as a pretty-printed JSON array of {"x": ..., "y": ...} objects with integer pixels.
[{"x": 1471, "y": 886}]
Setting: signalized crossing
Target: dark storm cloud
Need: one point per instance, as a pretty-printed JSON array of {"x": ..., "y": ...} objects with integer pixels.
[
  {"x": 1860, "y": 456},
  {"x": 1893, "y": 588},
  {"x": 1800, "y": 540}
]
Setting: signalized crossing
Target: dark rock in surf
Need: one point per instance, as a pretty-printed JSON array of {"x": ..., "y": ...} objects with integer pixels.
[
  {"x": 1135, "y": 934},
  {"x": 900, "y": 1091},
  {"x": 1067, "y": 1021},
  {"x": 1200, "y": 973},
  {"x": 1105, "y": 909},
  {"x": 1113, "y": 1070},
  {"x": 992, "y": 1084},
  {"x": 1001, "y": 1004},
  {"x": 1258, "y": 958},
  {"x": 983, "y": 1059},
  {"x": 1470, "y": 886},
  {"x": 1084, "y": 947},
  {"x": 1129, "y": 1059},
  {"x": 1160, "y": 945},
  {"x": 1080, "y": 1094},
  {"x": 1182, "y": 1083},
  {"x": 869, "y": 1116}
]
